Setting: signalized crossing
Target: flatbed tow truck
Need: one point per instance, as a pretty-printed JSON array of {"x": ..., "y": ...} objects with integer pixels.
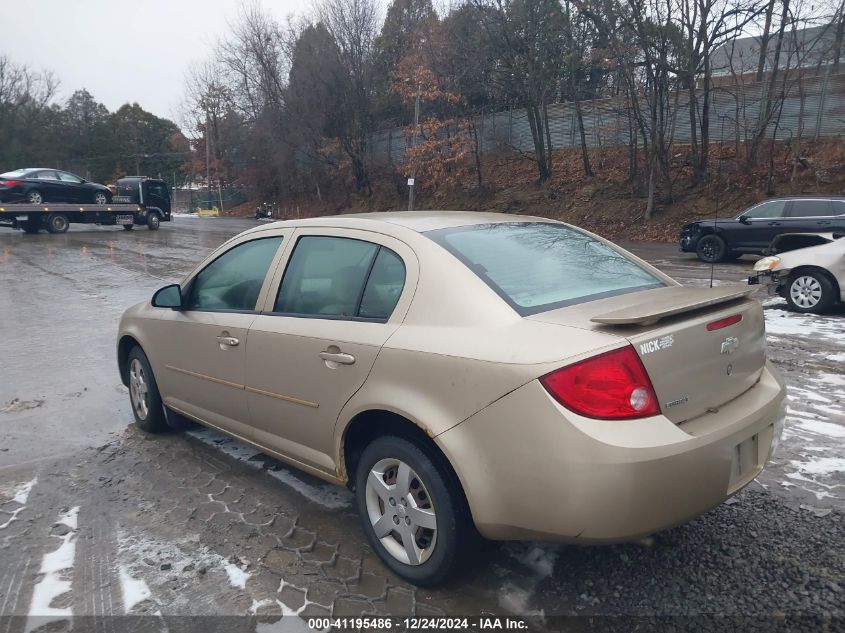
[{"x": 140, "y": 201}]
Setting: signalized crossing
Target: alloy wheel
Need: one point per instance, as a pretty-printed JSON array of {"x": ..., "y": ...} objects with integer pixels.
[
  {"x": 806, "y": 292},
  {"x": 101, "y": 198},
  {"x": 34, "y": 197},
  {"x": 138, "y": 389},
  {"x": 401, "y": 512}
]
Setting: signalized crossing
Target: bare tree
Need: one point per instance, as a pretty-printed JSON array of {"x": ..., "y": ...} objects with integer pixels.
[{"x": 354, "y": 25}]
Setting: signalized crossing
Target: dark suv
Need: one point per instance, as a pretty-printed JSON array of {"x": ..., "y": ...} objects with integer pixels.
[{"x": 753, "y": 230}]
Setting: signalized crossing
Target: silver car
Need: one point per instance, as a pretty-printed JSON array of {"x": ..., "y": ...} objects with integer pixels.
[{"x": 808, "y": 270}]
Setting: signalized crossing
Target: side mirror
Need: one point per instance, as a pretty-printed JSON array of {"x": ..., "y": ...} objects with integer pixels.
[
  {"x": 168, "y": 297},
  {"x": 744, "y": 219}
]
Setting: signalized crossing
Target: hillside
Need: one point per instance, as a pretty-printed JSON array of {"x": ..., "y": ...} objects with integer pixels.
[{"x": 607, "y": 203}]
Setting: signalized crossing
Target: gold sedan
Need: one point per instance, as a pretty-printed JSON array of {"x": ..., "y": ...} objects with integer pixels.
[{"x": 465, "y": 374}]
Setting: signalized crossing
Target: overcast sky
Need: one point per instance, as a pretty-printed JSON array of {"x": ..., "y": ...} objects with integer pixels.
[{"x": 123, "y": 50}]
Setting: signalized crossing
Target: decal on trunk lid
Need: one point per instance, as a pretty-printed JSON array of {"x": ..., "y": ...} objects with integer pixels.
[{"x": 657, "y": 344}]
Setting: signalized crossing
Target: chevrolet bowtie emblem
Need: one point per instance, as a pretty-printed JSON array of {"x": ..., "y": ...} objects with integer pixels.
[{"x": 729, "y": 345}]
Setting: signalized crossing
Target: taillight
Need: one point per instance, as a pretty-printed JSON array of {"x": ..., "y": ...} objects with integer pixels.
[
  {"x": 610, "y": 386},
  {"x": 722, "y": 323},
  {"x": 10, "y": 183}
]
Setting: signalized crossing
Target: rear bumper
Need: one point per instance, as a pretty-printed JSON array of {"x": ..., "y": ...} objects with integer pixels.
[
  {"x": 11, "y": 196},
  {"x": 556, "y": 476}
]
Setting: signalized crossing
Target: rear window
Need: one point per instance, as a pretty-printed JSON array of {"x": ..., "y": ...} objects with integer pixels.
[
  {"x": 539, "y": 266},
  {"x": 18, "y": 173}
]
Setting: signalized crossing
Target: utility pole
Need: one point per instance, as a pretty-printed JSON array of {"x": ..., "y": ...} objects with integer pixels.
[
  {"x": 207, "y": 163},
  {"x": 411, "y": 180}
]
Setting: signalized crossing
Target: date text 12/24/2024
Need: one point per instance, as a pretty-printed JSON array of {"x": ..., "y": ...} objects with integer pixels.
[{"x": 386, "y": 623}]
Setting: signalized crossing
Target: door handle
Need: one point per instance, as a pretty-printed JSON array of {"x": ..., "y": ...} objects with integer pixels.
[
  {"x": 338, "y": 357},
  {"x": 823, "y": 222},
  {"x": 229, "y": 341},
  {"x": 774, "y": 223}
]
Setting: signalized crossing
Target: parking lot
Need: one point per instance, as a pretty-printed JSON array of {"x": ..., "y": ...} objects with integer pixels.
[{"x": 98, "y": 519}]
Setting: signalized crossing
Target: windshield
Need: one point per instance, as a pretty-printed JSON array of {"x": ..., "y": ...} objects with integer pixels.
[
  {"x": 539, "y": 266},
  {"x": 14, "y": 174}
]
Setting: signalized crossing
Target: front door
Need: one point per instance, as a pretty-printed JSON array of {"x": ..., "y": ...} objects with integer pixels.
[
  {"x": 72, "y": 189},
  {"x": 763, "y": 223},
  {"x": 343, "y": 293},
  {"x": 158, "y": 196},
  {"x": 202, "y": 348}
]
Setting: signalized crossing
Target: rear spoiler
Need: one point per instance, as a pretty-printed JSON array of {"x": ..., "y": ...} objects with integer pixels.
[{"x": 649, "y": 306}]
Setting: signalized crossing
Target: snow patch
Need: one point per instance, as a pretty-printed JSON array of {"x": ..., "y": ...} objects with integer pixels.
[
  {"x": 821, "y": 466},
  {"x": 21, "y": 496},
  {"x": 822, "y": 428},
  {"x": 290, "y": 622},
  {"x": 237, "y": 576},
  {"x": 57, "y": 570},
  {"x": 327, "y": 495},
  {"x": 133, "y": 590}
]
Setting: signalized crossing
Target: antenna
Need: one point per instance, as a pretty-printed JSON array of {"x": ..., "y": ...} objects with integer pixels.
[{"x": 718, "y": 198}]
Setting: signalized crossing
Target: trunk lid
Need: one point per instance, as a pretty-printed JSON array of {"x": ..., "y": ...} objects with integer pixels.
[{"x": 693, "y": 368}]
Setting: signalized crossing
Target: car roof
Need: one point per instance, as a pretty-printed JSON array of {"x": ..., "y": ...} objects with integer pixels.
[
  {"x": 801, "y": 197},
  {"x": 418, "y": 221}
]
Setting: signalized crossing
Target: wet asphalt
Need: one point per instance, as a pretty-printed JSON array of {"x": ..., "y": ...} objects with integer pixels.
[{"x": 197, "y": 524}]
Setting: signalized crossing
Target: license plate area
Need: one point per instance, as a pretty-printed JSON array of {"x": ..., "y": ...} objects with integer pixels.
[
  {"x": 748, "y": 458},
  {"x": 124, "y": 219}
]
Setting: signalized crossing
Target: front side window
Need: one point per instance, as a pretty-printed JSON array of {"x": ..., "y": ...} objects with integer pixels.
[
  {"x": 159, "y": 191},
  {"x": 45, "y": 175},
  {"x": 233, "y": 281},
  {"x": 773, "y": 209},
  {"x": 538, "y": 266},
  {"x": 810, "y": 208},
  {"x": 340, "y": 277}
]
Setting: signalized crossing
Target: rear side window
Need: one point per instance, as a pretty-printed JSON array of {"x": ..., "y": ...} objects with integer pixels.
[
  {"x": 839, "y": 207},
  {"x": 538, "y": 266},
  {"x": 233, "y": 281},
  {"x": 383, "y": 286},
  {"x": 338, "y": 277},
  {"x": 810, "y": 208}
]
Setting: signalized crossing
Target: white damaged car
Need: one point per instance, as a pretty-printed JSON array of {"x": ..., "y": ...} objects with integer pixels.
[{"x": 806, "y": 269}]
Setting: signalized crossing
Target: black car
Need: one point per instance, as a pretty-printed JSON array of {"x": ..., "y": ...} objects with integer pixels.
[
  {"x": 37, "y": 185},
  {"x": 752, "y": 231}
]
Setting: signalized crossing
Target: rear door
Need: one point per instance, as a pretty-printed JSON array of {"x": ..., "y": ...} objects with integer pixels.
[
  {"x": 809, "y": 216},
  {"x": 836, "y": 222},
  {"x": 47, "y": 182},
  {"x": 335, "y": 302}
]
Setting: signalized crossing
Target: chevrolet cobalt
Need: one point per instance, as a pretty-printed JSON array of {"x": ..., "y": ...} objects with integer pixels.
[{"x": 465, "y": 374}]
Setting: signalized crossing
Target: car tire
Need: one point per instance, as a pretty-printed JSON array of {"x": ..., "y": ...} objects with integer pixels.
[
  {"x": 34, "y": 197},
  {"x": 144, "y": 396},
  {"x": 433, "y": 488},
  {"x": 711, "y": 249},
  {"x": 128, "y": 227},
  {"x": 810, "y": 291},
  {"x": 153, "y": 221},
  {"x": 101, "y": 198},
  {"x": 57, "y": 223}
]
